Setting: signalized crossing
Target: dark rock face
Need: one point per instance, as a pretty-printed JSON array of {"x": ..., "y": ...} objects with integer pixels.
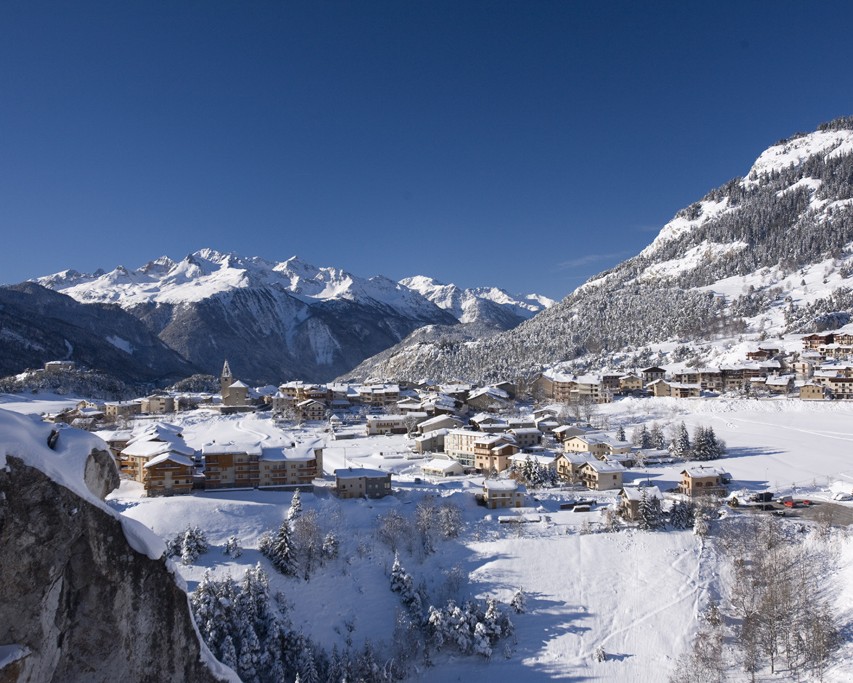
[
  {"x": 73, "y": 591},
  {"x": 101, "y": 473},
  {"x": 40, "y": 325}
]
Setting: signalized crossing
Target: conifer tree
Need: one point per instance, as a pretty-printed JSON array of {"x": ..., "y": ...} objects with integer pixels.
[{"x": 680, "y": 446}]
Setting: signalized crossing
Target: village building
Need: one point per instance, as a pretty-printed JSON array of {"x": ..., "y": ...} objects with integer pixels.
[
  {"x": 601, "y": 476},
  {"x": 489, "y": 423},
  {"x": 703, "y": 481},
  {"x": 439, "y": 422},
  {"x": 362, "y": 483},
  {"x": 630, "y": 383},
  {"x": 503, "y": 493},
  {"x": 231, "y": 465},
  {"x": 630, "y": 498},
  {"x": 159, "y": 459},
  {"x": 295, "y": 466},
  {"x": 168, "y": 474},
  {"x": 813, "y": 392},
  {"x": 311, "y": 409},
  {"x": 596, "y": 443},
  {"x": 442, "y": 467},
  {"x": 122, "y": 409},
  {"x": 526, "y": 437},
  {"x": 488, "y": 399},
  {"x": 431, "y": 442},
  {"x": 57, "y": 366},
  {"x": 459, "y": 445},
  {"x": 386, "y": 424},
  {"x": 492, "y": 452},
  {"x": 649, "y": 375},
  {"x": 157, "y": 404},
  {"x": 379, "y": 395},
  {"x": 569, "y": 465}
]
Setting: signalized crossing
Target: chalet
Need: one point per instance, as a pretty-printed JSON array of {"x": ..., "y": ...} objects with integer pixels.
[
  {"x": 630, "y": 383},
  {"x": 157, "y": 439},
  {"x": 492, "y": 452},
  {"x": 565, "y": 432},
  {"x": 659, "y": 388},
  {"x": 230, "y": 465},
  {"x": 298, "y": 465},
  {"x": 431, "y": 442},
  {"x": 167, "y": 474},
  {"x": 684, "y": 390},
  {"x": 596, "y": 443},
  {"x": 311, "y": 409},
  {"x": 629, "y": 500},
  {"x": 649, "y": 375},
  {"x": 813, "y": 342},
  {"x": 569, "y": 465},
  {"x": 526, "y": 437},
  {"x": 378, "y": 394},
  {"x": 362, "y": 483},
  {"x": 813, "y": 392},
  {"x": 439, "y": 422},
  {"x": 489, "y": 423},
  {"x": 157, "y": 404},
  {"x": 840, "y": 387},
  {"x": 386, "y": 424},
  {"x": 442, "y": 467},
  {"x": 703, "y": 481},
  {"x": 601, "y": 476},
  {"x": 488, "y": 398},
  {"x": 122, "y": 409},
  {"x": 781, "y": 385},
  {"x": 503, "y": 493}
]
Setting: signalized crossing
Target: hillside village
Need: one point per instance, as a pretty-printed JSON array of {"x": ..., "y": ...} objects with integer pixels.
[{"x": 514, "y": 435}]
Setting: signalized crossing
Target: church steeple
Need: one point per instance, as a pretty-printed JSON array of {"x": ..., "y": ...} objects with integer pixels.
[{"x": 226, "y": 379}]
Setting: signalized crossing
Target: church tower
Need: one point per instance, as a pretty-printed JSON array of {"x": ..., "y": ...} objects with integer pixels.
[{"x": 226, "y": 380}]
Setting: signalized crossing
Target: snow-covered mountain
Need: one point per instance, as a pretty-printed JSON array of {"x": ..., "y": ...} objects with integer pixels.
[
  {"x": 767, "y": 254},
  {"x": 489, "y": 306},
  {"x": 276, "y": 320}
]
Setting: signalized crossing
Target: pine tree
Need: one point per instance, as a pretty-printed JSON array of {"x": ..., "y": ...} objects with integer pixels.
[
  {"x": 193, "y": 544},
  {"x": 232, "y": 547},
  {"x": 680, "y": 446},
  {"x": 295, "y": 508},
  {"x": 656, "y": 437},
  {"x": 279, "y": 549},
  {"x": 330, "y": 546},
  {"x": 518, "y": 601},
  {"x": 650, "y": 516},
  {"x": 620, "y": 433}
]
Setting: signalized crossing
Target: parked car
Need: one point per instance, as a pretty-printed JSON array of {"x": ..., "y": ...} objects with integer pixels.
[{"x": 842, "y": 496}]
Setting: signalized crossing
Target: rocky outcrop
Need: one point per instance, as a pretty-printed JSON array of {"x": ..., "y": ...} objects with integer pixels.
[
  {"x": 73, "y": 592},
  {"x": 101, "y": 473}
]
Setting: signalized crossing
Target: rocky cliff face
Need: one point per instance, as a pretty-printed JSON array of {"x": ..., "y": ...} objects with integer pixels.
[{"x": 76, "y": 597}]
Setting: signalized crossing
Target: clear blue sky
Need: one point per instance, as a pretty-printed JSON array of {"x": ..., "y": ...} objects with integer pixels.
[{"x": 523, "y": 144}]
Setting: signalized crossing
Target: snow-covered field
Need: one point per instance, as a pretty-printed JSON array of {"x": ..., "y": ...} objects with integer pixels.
[{"x": 636, "y": 594}]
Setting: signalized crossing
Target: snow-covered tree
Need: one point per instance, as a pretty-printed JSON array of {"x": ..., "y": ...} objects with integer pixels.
[
  {"x": 279, "y": 549},
  {"x": 641, "y": 438},
  {"x": 680, "y": 445},
  {"x": 188, "y": 544},
  {"x": 232, "y": 547},
  {"x": 518, "y": 601},
  {"x": 656, "y": 437},
  {"x": 620, "y": 433},
  {"x": 650, "y": 516},
  {"x": 295, "y": 508},
  {"x": 331, "y": 546},
  {"x": 681, "y": 515}
]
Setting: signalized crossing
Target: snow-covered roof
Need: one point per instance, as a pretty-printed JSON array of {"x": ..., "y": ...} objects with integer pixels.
[
  {"x": 359, "y": 472},
  {"x": 151, "y": 449},
  {"x": 604, "y": 467},
  {"x": 701, "y": 471},
  {"x": 442, "y": 465},
  {"x": 637, "y": 493},
  {"x": 500, "y": 485},
  {"x": 170, "y": 456},
  {"x": 226, "y": 447}
]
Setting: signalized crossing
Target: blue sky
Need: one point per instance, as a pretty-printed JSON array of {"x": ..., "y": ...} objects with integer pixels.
[{"x": 527, "y": 145}]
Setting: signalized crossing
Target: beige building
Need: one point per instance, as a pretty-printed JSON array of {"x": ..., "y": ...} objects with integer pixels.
[
  {"x": 503, "y": 493},
  {"x": 601, "y": 476},
  {"x": 813, "y": 392},
  {"x": 703, "y": 481},
  {"x": 123, "y": 409},
  {"x": 629, "y": 500},
  {"x": 158, "y": 404}
]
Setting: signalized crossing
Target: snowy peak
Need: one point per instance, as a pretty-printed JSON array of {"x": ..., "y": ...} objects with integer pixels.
[
  {"x": 791, "y": 153},
  {"x": 489, "y": 305}
]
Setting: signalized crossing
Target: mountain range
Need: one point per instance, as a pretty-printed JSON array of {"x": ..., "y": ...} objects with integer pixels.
[
  {"x": 281, "y": 320},
  {"x": 766, "y": 254}
]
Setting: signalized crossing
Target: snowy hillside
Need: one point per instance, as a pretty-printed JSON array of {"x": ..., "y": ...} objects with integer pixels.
[
  {"x": 768, "y": 254},
  {"x": 637, "y": 595}
]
